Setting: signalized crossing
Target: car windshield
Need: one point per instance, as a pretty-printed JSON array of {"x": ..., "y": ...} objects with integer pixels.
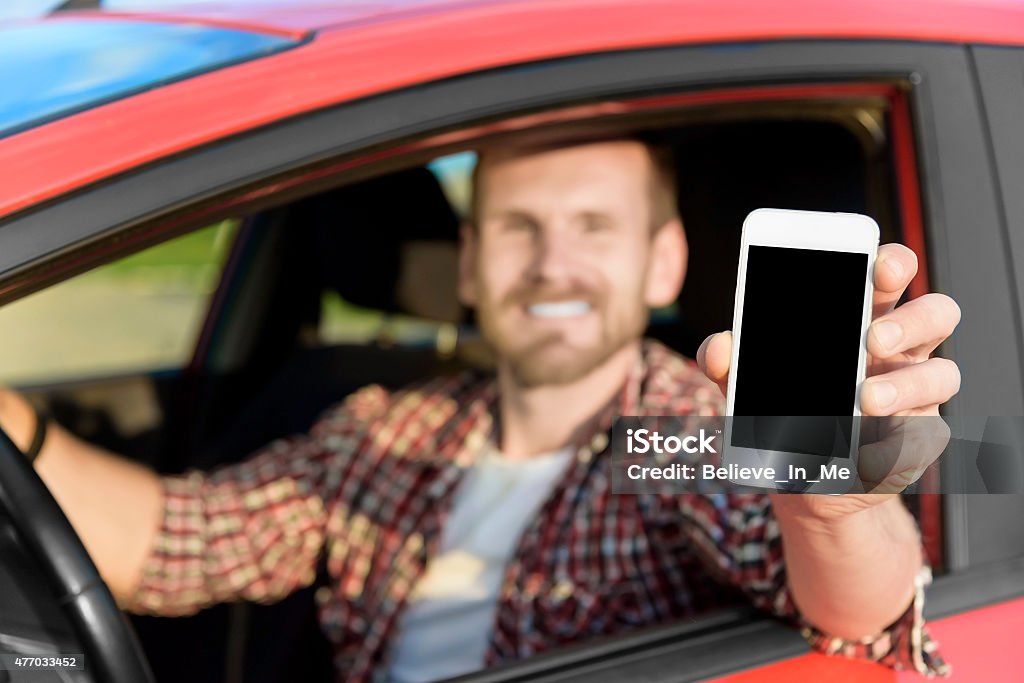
[{"x": 51, "y": 69}]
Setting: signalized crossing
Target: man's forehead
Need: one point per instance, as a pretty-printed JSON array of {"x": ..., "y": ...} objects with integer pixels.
[
  {"x": 604, "y": 175},
  {"x": 606, "y": 172},
  {"x": 617, "y": 151}
]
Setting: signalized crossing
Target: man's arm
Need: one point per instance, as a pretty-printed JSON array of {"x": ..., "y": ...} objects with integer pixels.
[
  {"x": 114, "y": 504},
  {"x": 853, "y": 576},
  {"x": 172, "y": 545}
]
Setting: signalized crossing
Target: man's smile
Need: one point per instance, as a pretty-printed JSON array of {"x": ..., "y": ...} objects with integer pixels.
[{"x": 559, "y": 309}]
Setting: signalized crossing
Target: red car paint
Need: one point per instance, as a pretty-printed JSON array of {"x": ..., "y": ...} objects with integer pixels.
[
  {"x": 393, "y": 46},
  {"x": 981, "y": 645}
]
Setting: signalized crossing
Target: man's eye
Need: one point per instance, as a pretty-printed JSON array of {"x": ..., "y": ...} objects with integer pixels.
[
  {"x": 520, "y": 225},
  {"x": 596, "y": 224}
]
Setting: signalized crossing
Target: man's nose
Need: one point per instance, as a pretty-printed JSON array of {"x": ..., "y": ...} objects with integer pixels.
[{"x": 553, "y": 255}]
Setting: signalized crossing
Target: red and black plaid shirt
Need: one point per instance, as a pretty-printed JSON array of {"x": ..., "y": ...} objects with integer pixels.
[{"x": 371, "y": 485}]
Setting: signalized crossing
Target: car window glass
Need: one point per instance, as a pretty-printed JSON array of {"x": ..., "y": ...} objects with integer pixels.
[
  {"x": 51, "y": 69},
  {"x": 342, "y": 322},
  {"x": 139, "y": 313},
  {"x": 455, "y": 173}
]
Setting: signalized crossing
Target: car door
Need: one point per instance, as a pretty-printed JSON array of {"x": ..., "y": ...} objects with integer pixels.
[{"x": 944, "y": 182}]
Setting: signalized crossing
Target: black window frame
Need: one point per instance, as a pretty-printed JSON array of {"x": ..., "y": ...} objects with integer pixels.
[{"x": 999, "y": 82}]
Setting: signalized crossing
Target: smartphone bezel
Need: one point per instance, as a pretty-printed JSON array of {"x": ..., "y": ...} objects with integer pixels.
[{"x": 842, "y": 232}]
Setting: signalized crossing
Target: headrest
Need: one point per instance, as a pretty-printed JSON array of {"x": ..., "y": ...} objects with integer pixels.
[{"x": 389, "y": 243}]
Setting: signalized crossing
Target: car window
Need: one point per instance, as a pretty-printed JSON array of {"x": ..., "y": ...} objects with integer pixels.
[
  {"x": 455, "y": 172},
  {"x": 342, "y": 322},
  {"x": 139, "y": 313},
  {"x": 815, "y": 155}
]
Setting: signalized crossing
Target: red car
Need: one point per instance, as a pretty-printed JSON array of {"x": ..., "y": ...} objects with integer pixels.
[{"x": 221, "y": 138}]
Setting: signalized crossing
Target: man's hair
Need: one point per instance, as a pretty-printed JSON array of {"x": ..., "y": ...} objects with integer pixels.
[
  {"x": 662, "y": 196},
  {"x": 662, "y": 184}
]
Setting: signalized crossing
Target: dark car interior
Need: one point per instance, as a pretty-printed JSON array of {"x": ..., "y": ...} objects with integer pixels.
[{"x": 388, "y": 243}]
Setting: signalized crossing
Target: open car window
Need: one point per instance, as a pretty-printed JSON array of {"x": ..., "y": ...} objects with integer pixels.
[
  {"x": 820, "y": 154},
  {"x": 349, "y": 286},
  {"x": 138, "y": 314}
]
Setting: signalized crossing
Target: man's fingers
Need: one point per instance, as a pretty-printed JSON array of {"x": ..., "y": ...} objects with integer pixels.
[
  {"x": 928, "y": 383},
  {"x": 714, "y": 357},
  {"x": 903, "y": 454},
  {"x": 895, "y": 267},
  {"x": 921, "y": 324}
]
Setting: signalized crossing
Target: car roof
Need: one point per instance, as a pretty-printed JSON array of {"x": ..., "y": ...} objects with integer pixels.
[
  {"x": 348, "y": 51},
  {"x": 909, "y": 18},
  {"x": 274, "y": 15}
]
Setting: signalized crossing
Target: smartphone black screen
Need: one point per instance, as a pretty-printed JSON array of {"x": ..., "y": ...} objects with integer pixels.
[{"x": 799, "y": 346}]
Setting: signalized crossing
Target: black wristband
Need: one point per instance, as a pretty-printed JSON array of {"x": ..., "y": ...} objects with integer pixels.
[{"x": 39, "y": 436}]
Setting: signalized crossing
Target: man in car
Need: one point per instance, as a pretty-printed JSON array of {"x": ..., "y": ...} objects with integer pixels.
[{"x": 469, "y": 520}]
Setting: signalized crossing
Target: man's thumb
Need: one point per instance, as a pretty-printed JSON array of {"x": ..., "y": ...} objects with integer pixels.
[{"x": 714, "y": 357}]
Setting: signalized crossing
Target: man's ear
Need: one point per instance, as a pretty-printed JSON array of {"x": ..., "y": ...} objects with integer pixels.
[
  {"x": 467, "y": 265},
  {"x": 669, "y": 254}
]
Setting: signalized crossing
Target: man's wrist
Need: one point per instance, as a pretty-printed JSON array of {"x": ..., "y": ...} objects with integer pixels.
[
  {"x": 17, "y": 419},
  {"x": 829, "y": 514},
  {"x": 877, "y": 549},
  {"x": 887, "y": 521}
]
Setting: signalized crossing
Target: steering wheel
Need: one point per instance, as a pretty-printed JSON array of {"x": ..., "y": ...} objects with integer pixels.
[{"x": 112, "y": 651}]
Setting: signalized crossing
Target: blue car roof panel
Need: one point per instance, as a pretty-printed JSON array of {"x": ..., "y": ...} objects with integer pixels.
[{"x": 53, "y": 68}]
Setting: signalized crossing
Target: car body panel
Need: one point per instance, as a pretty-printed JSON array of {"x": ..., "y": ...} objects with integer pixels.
[
  {"x": 982, "y": 644},
  {"x": 977, "y": 643},
  {"x": 278, "y": 15},
  {"x": 814, "y": 666},
  {"x": 363, "y": 57},
  {"x": 946, "y": 20}
]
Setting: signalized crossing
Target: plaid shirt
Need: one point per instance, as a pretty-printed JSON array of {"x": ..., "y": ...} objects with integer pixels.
[{"x": 368, "y": 491}]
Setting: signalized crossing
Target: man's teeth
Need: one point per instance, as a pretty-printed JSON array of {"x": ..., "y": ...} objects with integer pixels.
[{"x": 559, "y": 309}]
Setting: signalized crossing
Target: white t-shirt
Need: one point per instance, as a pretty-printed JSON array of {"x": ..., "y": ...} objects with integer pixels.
[{"x": 447, "y": 624}]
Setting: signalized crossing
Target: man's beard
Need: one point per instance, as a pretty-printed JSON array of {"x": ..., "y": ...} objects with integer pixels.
[
  {"x": 548, "y": 360},
  {"x": 532, "y": 367}
]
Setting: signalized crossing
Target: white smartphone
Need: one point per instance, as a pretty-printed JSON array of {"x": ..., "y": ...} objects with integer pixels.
[{"x": 803, "y": 306}]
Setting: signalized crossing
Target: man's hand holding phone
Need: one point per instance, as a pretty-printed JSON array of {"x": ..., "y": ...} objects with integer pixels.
[{"x": 903, "y": 381}]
